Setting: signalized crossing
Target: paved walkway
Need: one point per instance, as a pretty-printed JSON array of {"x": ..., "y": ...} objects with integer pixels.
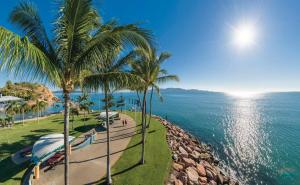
[{"x": 88, "y": 165}]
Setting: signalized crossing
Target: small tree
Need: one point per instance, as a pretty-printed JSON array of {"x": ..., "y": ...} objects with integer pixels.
[
  {"x": 84, "y": 104},
  {"x": 121, "y": 103},
  {"x": 24, "y": 107},
  {"x": 74, "y": 112},
  {"x": 11, "y": 110}
]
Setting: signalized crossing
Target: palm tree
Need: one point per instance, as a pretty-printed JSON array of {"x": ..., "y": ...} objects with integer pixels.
[
  {"x": 12, "y": 109},
  {"x": 148, "y": 67},
  {"x": 84, "y": 104},
  {"x": 79, "y": 42},
  {"x": 111, "y": 77},
  {"x": 24, "y": 108},
  {"x": 38, "y": 107},
  {"x": 73, "y": 111}
]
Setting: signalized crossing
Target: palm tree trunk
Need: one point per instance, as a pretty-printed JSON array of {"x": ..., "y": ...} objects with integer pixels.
[
  {"x": 108, "y": 175},
  {"x": 150, "y": 108},
  {"x": 139, "y": 99},
  {"x": 143, "y": 127},
  {"x": 66, "y": 135}
]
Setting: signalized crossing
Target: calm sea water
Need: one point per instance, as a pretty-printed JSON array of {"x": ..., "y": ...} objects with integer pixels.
[{"x": 257, "y": 137}]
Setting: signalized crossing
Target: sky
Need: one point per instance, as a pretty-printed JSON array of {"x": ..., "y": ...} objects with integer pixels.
[{"x": 201, "y": 35}]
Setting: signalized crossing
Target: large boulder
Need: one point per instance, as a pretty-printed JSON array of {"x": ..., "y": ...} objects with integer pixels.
[
  {"x": 192, "y": 174},
  {"x": 188, "y": 162},
  {"x": 205, "y": 156},
  {"x": 177, "y": 167},
  {"x": 183, "y": 152},
  {"x": 201, "y": 170},
  {"x": 195, "y": 155}
]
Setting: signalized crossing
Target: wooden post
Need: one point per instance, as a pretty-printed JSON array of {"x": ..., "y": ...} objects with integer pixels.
[{"x": 37, "y": 171}]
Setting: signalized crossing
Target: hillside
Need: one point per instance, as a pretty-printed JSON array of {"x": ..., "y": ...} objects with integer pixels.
[{"x": 29, "y": 92}]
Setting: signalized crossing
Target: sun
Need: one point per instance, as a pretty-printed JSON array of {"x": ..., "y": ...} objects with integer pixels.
[{"x": 244, "y": 35}]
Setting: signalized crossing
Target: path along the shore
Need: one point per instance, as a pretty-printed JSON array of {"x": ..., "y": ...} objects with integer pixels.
[{"x": 88, "y": 165}]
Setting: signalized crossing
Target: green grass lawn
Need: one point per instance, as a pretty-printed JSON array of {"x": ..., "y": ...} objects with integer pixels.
[
  {"x": 15, "y": 138},
  {"x": 128, "y": 171}
]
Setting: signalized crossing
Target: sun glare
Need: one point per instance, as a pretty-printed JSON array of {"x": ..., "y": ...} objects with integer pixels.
[
  {"x": 243, "y": 94},
  {"x": 244, "y": 35}
]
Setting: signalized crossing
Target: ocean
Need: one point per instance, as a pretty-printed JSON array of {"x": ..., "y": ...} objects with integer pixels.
[{"x": 257, "y": 138}]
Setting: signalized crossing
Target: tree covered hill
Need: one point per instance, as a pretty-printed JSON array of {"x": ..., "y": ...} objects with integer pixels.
[{"x": 30, "y": 92}]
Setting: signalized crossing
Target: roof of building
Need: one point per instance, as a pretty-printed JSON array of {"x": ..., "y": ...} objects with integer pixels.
[{"x": 9, "y": 98}]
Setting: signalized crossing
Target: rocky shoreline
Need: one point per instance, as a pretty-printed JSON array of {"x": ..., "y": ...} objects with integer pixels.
[{"x": 193, "y": 161}]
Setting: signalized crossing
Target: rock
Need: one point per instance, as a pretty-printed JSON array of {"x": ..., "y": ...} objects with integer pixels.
[
  {"x": 216, "y": 162},
  {"x": 178, "y": 182},
  {"x": 212, "y": 182},
  {"x": 205, "y": 156},
  {"x": 188, "y": 149},
  {"x": 226, "y": 179},
  {"x": 183, "y": 152},
  {"x": 220, "y": 179},
  {"x": 175, "y": 157},
  {"x": 203, "y": 179},
  {"x": 182, "y": 177},
  {"x": 192, "y": 174},
  {"x": 201, "y": 170},
  {"x": 206, "y": 164},
  {"x": 172, "y": 178},
  {"x": 233, "y": 182},
  {"x": 195, "y": 155},
  {"x": 188, "y": 162},
  {"x": 177, "y": 167},
  {"x": 210, "y": 174}
]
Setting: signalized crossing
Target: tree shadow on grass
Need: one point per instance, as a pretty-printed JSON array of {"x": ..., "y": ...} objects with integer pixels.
[
  {"x": 8, "y": 169},
  {"x": 85, "y": 128},
  {"x": 42, "y": 130},
  {"x": 85, "y": 119},
  {"x": 103, "y": 180}
]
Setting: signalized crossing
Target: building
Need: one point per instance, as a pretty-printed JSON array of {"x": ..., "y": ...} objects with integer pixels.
[{"x": 5, "y": 99}]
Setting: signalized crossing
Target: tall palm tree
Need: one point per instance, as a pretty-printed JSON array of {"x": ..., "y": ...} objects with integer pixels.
[
  {"x": 79, "y": 42},
  {"x": 111, "y": 77},
  {"x": 148, "y": 67}
]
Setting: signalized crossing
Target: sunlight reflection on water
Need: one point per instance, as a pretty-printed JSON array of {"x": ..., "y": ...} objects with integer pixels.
[{"x": 246, "y": 138}]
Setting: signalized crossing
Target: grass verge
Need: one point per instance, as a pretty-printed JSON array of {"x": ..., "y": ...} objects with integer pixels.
[{"x": 128, "y": 171}]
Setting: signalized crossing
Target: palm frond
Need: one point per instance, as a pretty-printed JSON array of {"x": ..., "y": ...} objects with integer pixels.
[
  {"x": 164, "y": 79},
  {"x": 163, "y": 57},
  {"x": 20, "y": 56},
  {"x": 25, "y": 15}
]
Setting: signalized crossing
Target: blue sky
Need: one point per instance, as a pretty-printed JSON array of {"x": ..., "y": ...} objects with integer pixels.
[{"x": 199, "y": 34}]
